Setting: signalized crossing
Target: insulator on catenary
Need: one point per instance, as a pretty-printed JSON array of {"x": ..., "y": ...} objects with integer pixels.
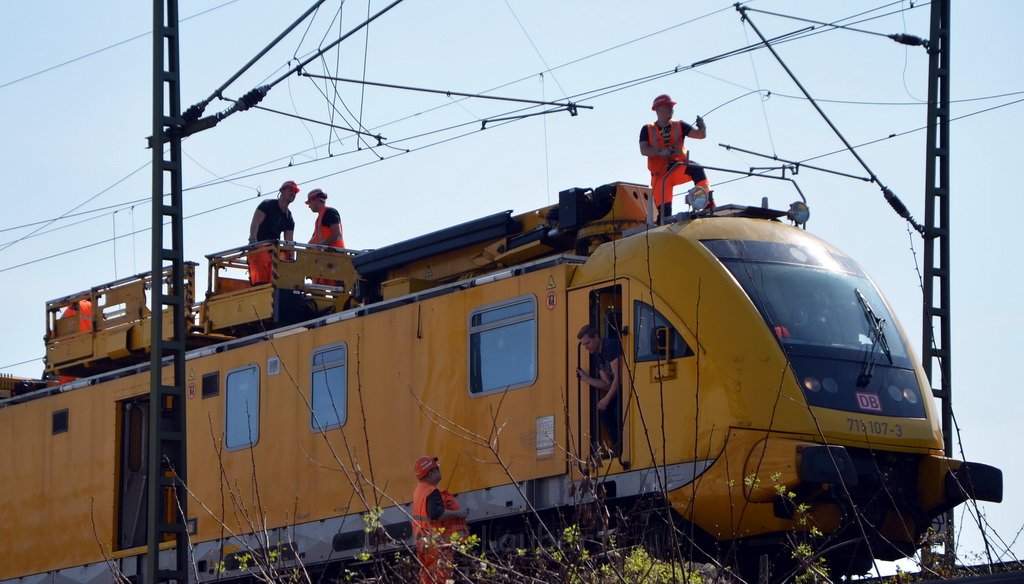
[
  {"x": 901, "y": 209},
  {"x": 252, "y": 98},
  {"x": 909, "y": 39},
  {"x": 193, "y": 113}
]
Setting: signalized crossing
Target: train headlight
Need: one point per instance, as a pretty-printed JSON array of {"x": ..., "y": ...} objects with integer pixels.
[
  {"x": 830, "y": 385},
  {"x": 697, "y": 198},
  {"x": 812, "y": 384},
  {"x": 895, "y": 393},
  {"x": 910, "y": 395},
  {"x": 799, "y": 213}
]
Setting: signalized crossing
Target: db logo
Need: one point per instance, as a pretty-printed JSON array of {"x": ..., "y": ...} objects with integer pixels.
[{"x": 869, "y": 402}]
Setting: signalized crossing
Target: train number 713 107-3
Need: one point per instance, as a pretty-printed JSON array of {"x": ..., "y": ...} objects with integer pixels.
[{"x": 875, "y": 428}]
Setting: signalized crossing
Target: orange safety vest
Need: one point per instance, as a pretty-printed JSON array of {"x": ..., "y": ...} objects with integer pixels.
[
  {"x": 84, "y": 314},
  {"x": 323, "y": 232},
  {"x": 423, "y": 527},
  {"x": 657, "y": 164}
]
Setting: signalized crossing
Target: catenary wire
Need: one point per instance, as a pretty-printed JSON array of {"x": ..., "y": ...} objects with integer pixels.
[
  {"x": 233, "y": 177},
  {"x": 906, "y": 58},
  {"x": 443, "y": 129},
  {"x": 535, "y": 48},
  {"x": 335, "y": 96},
  {"x": 113, "y": 208},
  {"x": 568, "y": 63},
  {"x": 423, "y": 147},
  {"x": 217, "y": 93},
  {"x": 614, "y": 47},
  {"x": 113, "y": 239},
  {"x": 25, "y": 362},
  {"x": 827, "y": 24},
  {"x": 107, "y": 48},
  {"x": 294, "y": 70},
  {"x": 634, "y": 40},
  {"x": 231, "y": 204},
  {"x": 890, "y": 197},
  {"x": 78, "y": 206},
  {"x": 964, "y": 100},
  {"x": 366, "y": 55},
  {"x": 757, "y": 83}
]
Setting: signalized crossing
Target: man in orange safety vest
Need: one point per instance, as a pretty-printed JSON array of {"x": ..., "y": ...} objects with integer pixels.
[
  {"x": 436, "y": 518},
  {"x": 668, "y": 160},
  {"x": 82, "y": 310},
  {"x": 327, "y": 230}
]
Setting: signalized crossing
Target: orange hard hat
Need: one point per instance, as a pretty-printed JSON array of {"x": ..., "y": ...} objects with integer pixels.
[
  {"x": 316, "y": 194},
  {"x": 424, "y": 465},
  {"x": 661, "y": 100},
  {"x": 289, "y": 184}
]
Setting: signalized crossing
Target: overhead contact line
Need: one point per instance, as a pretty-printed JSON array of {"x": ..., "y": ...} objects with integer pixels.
[
  {"x": 191, "y": 120},
  {"x": 569, "y": 106},
  {"x": 902, "y": 38},
  {"x": 890, "y": 197}
]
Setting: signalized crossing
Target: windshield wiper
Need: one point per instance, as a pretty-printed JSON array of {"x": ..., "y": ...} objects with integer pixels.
[{"x": 877, "y": 326}]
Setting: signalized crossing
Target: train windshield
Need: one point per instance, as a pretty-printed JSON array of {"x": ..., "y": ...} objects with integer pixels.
[{"x": 832, "y": 323}]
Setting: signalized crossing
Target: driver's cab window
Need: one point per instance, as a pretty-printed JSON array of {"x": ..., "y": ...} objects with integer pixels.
[{"x": 655, "y": 337}]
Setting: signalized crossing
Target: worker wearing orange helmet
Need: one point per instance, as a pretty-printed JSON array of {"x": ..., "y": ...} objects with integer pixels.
[
  {"x": 270, "y": 220},
  {"x": 327, "y": 229},
  {"x": 661, "y": 141},
  {"x": 436, "y": 518},
  {"x": 81, "y": 311}
]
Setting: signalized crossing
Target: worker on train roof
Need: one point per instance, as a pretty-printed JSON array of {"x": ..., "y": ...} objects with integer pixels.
[
  {"x": 328, "y": 228},
  {"x": 661, "y": 141},
  {"x": 82, "y": 310},
  {"x": 270, "y": 220}
]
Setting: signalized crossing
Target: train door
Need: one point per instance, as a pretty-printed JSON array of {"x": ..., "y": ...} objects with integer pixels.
[
  {"x": 134, "y": 421},
  {"x": 596, "y": 439}
]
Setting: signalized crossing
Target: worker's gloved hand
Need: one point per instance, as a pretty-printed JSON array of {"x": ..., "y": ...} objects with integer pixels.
[{"x": 700, "y": 123}]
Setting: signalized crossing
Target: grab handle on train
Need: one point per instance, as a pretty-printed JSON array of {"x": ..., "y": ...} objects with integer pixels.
[{"x": 662, "y": 344}]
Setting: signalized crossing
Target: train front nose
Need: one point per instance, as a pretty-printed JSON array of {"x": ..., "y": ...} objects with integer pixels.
[
  {"x": 944, "y": 483},
  {"x": 898, "y": 494}
]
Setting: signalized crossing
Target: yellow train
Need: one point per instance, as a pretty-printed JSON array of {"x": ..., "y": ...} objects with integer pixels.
[{"x": 767, "y": 389}]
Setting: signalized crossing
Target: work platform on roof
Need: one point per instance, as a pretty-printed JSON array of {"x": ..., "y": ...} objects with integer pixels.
[{"x": 309, "y": 281}]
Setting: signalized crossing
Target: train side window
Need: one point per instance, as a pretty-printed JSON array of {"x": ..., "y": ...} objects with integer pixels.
[
  {"x": 60, "y": 422},
  {"x": 653, "y": 333},
  {"x": 330, "y": 388},
  {"x": 242, "y": 426},
  {"x": 503, "y": 346}
]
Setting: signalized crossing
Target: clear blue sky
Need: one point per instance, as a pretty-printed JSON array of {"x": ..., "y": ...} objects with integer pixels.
[{"x": 74, "y": 135}]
